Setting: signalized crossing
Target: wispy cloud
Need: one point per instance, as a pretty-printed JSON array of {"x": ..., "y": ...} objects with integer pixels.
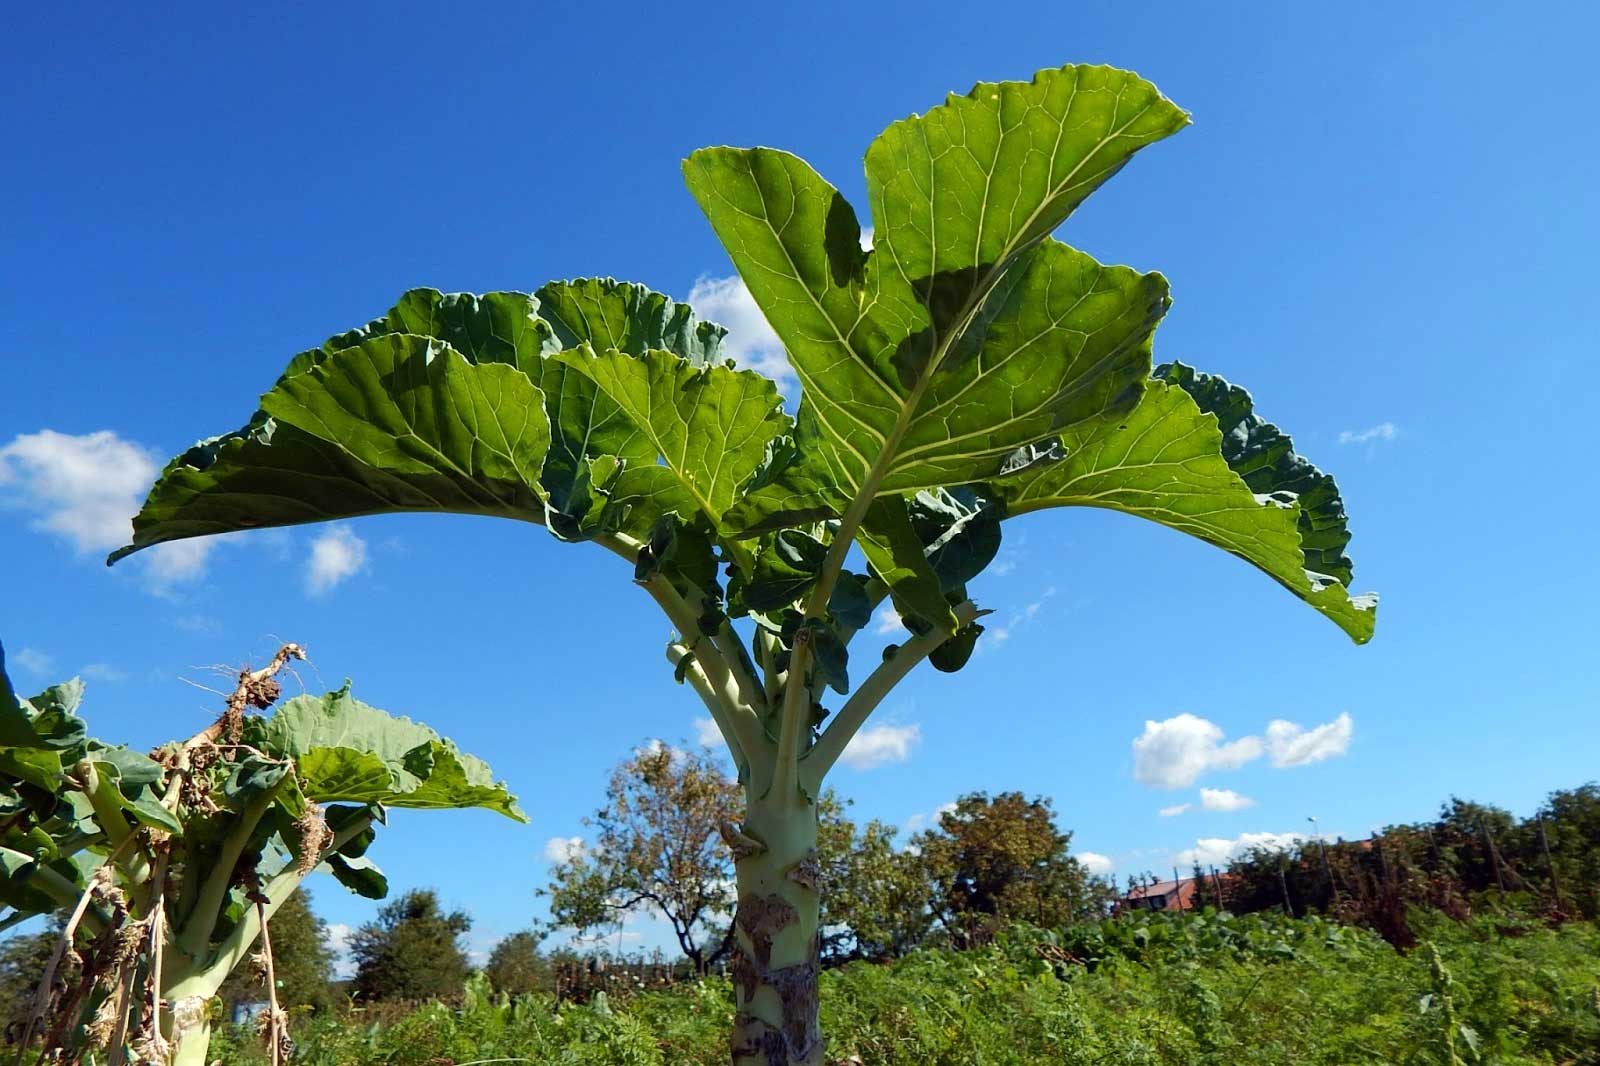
[
  {"x": 33, "y": 661},
  {"x": 200, "y": 624},
  {"x": 1219, "y": 851},
  {"x": 1224, "y": 799},
  {"x": 880, "y": 745},
  {"x": 85, "y": 489},
  {"x": 1291, "y": 744},
  {"x": 996, "y": 635},
  {"x": 103, "y": 672},
  {"x": 1175, "y": 810},
  {"x": 336, "y": 555},
  {"x": 1383, "y": 431}
]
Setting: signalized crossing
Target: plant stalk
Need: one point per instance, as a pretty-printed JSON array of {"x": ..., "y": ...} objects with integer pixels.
[{"x": 776, "y": 949}]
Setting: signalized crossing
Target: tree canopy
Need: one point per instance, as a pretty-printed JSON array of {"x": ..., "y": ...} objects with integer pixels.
[{"x": 414, "y": 950}]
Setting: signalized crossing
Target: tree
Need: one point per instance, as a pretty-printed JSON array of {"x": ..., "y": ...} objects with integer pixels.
[
  {"x": 415, "y": 950},
  {"x": 515, "y": 966},
  {"x": 23, "y": 960},
  {"x": 171, "y": 870},
  {"x": 302, "y": 961},
  {"x": 999, "y": 860},
  {"x": 657, "y": 845},
  {"x": 875, "y": 898},
  {"x": 966, "y": 369},
  {"x": 1572, "y": 831}
]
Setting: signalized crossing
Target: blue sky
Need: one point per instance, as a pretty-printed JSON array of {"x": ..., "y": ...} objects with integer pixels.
[{"x": 1383, "y": 223}]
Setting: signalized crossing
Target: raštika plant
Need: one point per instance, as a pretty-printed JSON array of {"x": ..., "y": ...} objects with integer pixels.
[
  {"x": 170, "y": 866},
  {"x": 966, "y": 369}
]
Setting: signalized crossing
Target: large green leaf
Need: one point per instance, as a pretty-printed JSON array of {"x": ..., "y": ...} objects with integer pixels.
[
  {"x": 707, "y": 427},
  {"x": 1264, "y": 456},
  {"x": 397, "y": 423},
  {"x": 496, "y": 327},
  {"x": 608, "y": 314},
  {"x": 1164, "y": 461},
  {"x": 965, "y": 333},
  {"x": 601, "y": 475},
  {"x": 348, "y": 752}
]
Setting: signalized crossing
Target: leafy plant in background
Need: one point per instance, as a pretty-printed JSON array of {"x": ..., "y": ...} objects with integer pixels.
[
  {"x": 965, "y": 370},
  {"x": 170, "y": 866}
]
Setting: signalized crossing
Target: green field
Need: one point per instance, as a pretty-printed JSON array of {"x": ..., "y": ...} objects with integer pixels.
[{"x": 1162, "y": 989}]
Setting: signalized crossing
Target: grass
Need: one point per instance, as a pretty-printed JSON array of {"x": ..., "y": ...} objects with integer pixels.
[{"x": 1154, "y": 991}]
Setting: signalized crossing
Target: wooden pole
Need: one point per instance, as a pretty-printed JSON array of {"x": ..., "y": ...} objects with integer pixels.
[
  {"x": 1216, "y": 881},
  {"x": 1544, "y": 843},
  {"x": 1177, "y": 888},
  {"x": 1494, "y": 856},
  {"x": 1283, "y": 883}
]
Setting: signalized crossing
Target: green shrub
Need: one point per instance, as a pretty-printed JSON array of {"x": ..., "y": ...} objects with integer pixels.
[{"x": 1152, "y": 990}]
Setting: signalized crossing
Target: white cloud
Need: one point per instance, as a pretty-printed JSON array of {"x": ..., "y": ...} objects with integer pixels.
[
  {"x": 563, "y": 849},
  {"x": 1290, "y": 744},
  {"x": 706, "y": 732},
  {"x": 1224, "y": 799},
  {"x": 878, "y": 745},
  {"x": 1217, "y": 851},
  {"x": 1175, "y": 810},
  {"x": 335, "y": 555},
  {"x": 178, "y": 561},
  {"x": 750, "y": 339},
  {"x": 1096, "y": 863},
  {"x": 888, "y": 621},
  {"x": 86, "y": 489},
  {"x": 918, "y": 822},
  {"x": 1175, "y": 752},
  {"x": 344, "y": 967},
  {"x": 33, "y": 660},
  {"x": 1381, "y": 431},
  {"x": 103, "y": 672},
  {"x": 656, "y": 745}
]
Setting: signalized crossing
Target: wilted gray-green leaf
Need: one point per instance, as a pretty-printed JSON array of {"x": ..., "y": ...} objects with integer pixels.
[
  {"x": 346, "y": 751},
  {"x": 47, "y": 722}
]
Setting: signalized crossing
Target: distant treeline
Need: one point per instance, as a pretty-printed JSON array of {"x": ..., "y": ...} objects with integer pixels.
[{"x": 1469, "y": 855}]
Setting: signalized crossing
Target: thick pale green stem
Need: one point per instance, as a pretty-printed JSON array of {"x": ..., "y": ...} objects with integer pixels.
[
  {"x": 189, "y": 1037},
  {"x": 208, "y": 907},
  {"x": 776, "y": 947},
  {"x": 831, "y": 744}
]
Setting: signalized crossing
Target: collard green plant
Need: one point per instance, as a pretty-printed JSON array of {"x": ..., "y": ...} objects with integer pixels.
[
  {"x": 966, "y": 370},
  {"x": 171, "y": 865}
]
